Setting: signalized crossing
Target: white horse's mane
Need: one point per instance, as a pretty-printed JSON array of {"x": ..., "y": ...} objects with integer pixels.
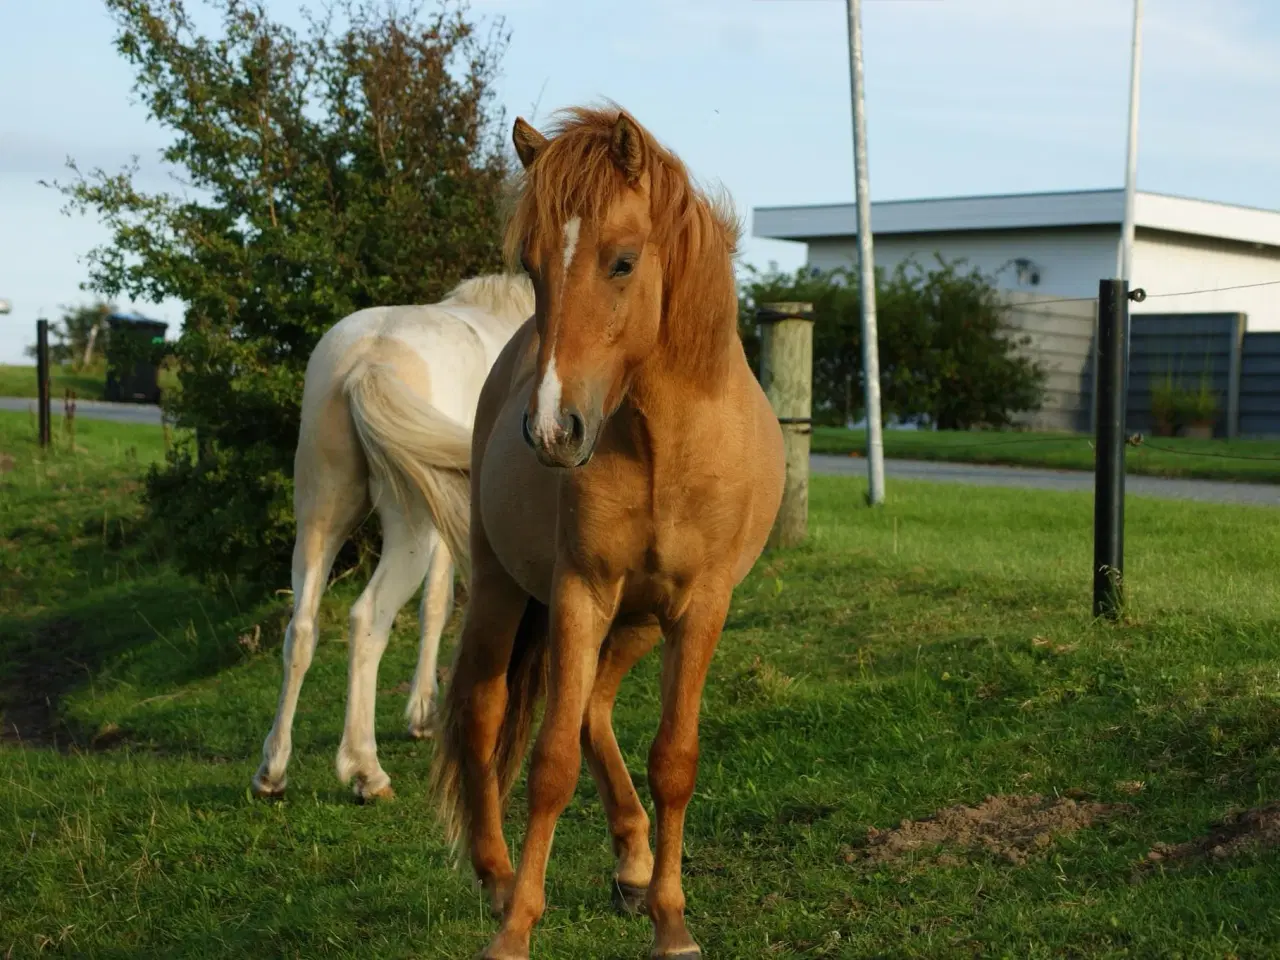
[{"x": 504, "y": 294}]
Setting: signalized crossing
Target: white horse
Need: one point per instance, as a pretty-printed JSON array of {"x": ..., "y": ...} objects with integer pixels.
[{"x": 387, "y": 411}]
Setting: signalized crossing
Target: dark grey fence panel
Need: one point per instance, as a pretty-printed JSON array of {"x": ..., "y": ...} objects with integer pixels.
[
  {"x": 1186, "y": 345},
  {"x": 1260, "y": 385}
]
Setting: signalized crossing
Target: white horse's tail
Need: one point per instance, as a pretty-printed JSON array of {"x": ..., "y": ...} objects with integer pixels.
[{"x": 413, "y": 447}]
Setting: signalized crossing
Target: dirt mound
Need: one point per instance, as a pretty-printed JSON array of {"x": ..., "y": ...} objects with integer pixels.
[
  {"x": 1240, "y": 832},
  {"x": 1011, "y": 827}
]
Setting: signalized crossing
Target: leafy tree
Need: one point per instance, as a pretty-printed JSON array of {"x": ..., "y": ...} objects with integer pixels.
[
  {"x": 71, "y": 333},
  {"x": 946, "y": 354},
  {"x": 356, "y": 162}
]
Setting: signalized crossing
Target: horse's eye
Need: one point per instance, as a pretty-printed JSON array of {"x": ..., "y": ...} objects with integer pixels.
[{"x": 622, "y": 267}]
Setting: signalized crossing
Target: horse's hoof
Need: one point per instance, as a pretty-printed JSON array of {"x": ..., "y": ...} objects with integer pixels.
[
  {"x": 676, "y": 945},
  {"x": 266, "y": 789},
  {"x": 382, "y": 794},
  {"x": 628, "y": 899},
  {"x": 421, "y": 717}
]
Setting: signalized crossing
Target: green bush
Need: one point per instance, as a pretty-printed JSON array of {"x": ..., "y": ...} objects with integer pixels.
[
  {"x": 358, "y": 162},
  {"x": 946, "y": 354}
]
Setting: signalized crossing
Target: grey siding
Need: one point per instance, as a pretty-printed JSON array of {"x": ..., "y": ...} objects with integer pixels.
[
  {"x": 1186, "y": 345},
  {"x": 1062, "y": 343},
  {"x": 1260, "y": 385}
]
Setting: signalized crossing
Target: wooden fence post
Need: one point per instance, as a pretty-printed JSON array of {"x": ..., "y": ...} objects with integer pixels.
[{"x": 786, "y": 373}]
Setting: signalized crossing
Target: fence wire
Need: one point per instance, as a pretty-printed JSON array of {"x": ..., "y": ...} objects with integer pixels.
[{"x": 1152, "y": 296}]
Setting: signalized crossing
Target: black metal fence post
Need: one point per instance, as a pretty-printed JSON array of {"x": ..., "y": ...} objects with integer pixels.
[
  {"x": 42, "y": 372},
  {"x": 1108, "y": 497}
]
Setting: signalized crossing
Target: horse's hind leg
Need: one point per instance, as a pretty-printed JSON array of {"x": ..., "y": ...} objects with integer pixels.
[
  {"x": 628, "y": 822},
  {"x": 476, "y": 705},
  {"x": 400, "y": 570},
  {"x": 437, "y": 604},
  {"x": 320, "y": 534}
]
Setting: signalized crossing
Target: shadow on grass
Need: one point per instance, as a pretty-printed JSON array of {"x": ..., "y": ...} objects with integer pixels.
[{"x": 175, "y": 630}]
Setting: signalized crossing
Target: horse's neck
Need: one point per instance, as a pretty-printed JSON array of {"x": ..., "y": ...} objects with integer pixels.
[{"x": 671, "y": 385}]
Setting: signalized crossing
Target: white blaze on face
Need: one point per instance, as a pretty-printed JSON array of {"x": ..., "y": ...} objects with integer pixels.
[
  {"x": 549, "y": 388},
  {"x": 548, "y": 403},
  {"x": 571, "y": 228}
]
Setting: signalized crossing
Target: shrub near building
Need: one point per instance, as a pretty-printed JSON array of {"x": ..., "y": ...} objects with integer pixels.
[{"x": 946, "y": 355}]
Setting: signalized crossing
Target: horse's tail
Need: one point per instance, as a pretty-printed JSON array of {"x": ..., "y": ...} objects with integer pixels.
[
  {"x": 525, "y": 681},
  {"x": 413, "y": 447}
]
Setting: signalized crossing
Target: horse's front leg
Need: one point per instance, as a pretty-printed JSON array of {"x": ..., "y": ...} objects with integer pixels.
[
  {"x": 673, "y": 764},
  {"x": 578, "y": 627}
]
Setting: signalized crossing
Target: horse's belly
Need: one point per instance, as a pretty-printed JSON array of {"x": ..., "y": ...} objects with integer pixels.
[{"x": 518, "y": 503}]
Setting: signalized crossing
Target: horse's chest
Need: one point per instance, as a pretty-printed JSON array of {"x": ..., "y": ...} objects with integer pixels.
[{"x": 657, "y": 546}]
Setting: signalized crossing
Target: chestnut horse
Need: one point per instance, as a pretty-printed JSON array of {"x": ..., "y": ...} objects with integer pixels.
[
  {"x": 626, "y": 470},
  {"x": 387, "y": 405}
]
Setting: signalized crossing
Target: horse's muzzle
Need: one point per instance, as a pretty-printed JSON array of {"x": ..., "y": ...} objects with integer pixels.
[{"x": 567, "y": 447}]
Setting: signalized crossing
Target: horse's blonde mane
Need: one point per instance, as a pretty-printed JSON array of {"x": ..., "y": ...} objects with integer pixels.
[{"x": 505, "y": 294}]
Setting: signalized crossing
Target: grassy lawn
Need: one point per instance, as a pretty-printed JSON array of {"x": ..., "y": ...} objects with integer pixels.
[
  {"x": 1257, "y": 461},
  {"x": 906, "y": 660},
  {"x": 88, "y": 383}
]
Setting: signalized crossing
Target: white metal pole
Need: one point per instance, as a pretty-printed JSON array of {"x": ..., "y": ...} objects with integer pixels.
[
  {"x": 1131, "y": 158},
  {"x": 866, "y": 261}
]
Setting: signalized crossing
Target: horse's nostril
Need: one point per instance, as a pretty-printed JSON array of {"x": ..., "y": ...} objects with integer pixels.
[
  {"x": 524, "y": 428},
  {"x": 577, "y": 429}
]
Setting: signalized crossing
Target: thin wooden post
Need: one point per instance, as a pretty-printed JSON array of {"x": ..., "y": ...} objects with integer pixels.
[
  {"x": 786, "y": 373},
  {"x": 42, "y": 375}
]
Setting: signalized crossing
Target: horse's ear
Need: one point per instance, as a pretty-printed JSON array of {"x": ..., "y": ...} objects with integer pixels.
[
  {"x": 529, "y": 142},
  {"x": 627, "y": 146}
]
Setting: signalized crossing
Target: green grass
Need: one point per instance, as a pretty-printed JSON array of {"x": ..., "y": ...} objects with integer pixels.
[
  {"x": 89, "y": 383},
  {"x": 1256, "y": 461},
  {"x": 926, "y": 654}
]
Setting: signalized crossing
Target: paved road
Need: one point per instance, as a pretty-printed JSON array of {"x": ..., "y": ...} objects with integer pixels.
[
  {"x": 92, "y": 409},
  {"x": 1213, "y": 491},
  {"x": 972, "y": 473}
]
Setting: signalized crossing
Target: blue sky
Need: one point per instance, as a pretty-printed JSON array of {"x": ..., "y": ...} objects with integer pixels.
[{"x": 964, "y": 96}]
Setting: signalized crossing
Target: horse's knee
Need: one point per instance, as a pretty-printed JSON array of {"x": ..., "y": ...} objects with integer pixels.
[
  {"x": 365, "y": 640},
  {"x": 553, "y": 773},
  {"x": 300, "y": 643},
  {"x": 673, "y": 770}
]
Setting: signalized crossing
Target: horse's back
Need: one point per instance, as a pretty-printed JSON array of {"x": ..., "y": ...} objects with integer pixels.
[{"x": 442, "y": 351}]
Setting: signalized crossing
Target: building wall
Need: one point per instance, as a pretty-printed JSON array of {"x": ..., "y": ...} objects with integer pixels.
[
  {"x": 1062, "y": 335},
  {"x": 1071, "y": 259},
  {"x": 1171, "y": 263}
]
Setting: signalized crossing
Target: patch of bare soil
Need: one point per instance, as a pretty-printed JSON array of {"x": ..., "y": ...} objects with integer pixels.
[
  {"x": 1013, "y": 828},
  {"x": 1244, "y": 831}
]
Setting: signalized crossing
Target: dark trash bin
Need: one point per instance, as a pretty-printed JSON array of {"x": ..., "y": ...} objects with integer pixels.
[{"x": 134, "y": 352}]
